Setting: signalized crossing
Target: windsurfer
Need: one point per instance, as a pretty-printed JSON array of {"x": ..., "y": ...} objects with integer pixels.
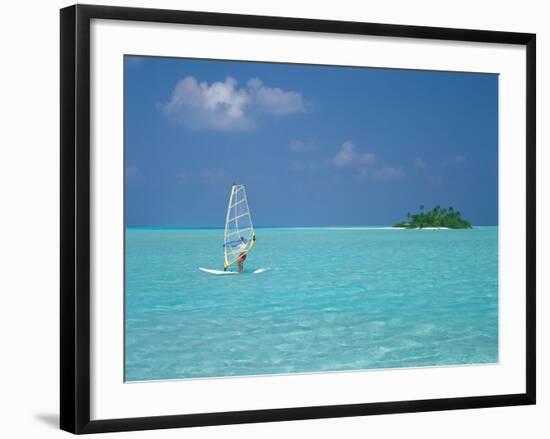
[{"x": 242, "y": 256}]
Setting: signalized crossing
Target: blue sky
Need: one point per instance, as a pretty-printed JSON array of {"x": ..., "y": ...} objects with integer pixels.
[{"x": 314, "y": 145}]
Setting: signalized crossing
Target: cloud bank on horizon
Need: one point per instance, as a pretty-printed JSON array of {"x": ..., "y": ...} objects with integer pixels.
[{"x": 223, "y": 106}]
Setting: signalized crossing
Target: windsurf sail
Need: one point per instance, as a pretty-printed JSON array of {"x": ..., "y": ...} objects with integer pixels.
[{"x": 239, "y": 236}]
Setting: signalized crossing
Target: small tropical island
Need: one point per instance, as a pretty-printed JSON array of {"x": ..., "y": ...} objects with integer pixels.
[{"x": 438, "y": 217}]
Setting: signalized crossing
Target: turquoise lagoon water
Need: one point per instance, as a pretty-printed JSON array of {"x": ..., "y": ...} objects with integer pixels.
[{"x": 334, "y": 300}]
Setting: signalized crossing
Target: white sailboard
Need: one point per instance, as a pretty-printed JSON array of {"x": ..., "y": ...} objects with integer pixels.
[
  {"x": 239, "y": 236},
  {"x": 216, "y": 272},
  {"x": 223, "y": 273}
]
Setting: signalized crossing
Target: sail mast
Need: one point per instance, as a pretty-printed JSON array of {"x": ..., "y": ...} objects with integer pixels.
[
  {"x": 225, "y": 240},
  {"x": 239, "y": 234}
]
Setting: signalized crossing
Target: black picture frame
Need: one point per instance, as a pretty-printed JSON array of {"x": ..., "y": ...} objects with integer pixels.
[{"x": 75, "y": 218}]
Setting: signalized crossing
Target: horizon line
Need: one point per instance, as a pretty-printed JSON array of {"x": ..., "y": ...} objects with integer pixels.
[{"x": 278, "y": 226}]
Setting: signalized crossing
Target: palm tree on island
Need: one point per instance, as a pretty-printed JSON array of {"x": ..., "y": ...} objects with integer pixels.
[{"x": 437, "y": 217}]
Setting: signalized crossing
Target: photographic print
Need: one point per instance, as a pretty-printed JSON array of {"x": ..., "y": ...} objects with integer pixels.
[{"x": 292, "y": 218}]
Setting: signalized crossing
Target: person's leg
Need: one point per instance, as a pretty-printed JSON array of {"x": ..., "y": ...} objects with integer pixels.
[{"x": 240, "y": 264}]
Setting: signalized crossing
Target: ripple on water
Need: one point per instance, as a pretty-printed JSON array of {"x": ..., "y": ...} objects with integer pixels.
[{"x": 334, "y": 300}]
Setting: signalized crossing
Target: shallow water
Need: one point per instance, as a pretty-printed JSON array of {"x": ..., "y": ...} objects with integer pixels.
[{"x": 334, "y": 299}]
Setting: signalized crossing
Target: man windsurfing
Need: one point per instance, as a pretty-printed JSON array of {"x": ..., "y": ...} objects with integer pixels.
[{"x": 242, "y": 256}]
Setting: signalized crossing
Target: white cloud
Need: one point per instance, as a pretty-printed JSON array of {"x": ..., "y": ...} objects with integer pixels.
[
  {"x": 274, "y": 100},
  {"x": 365, "y": 164},
  {"x": 367, "y": 159},
  {"x": 219, "y": 106},
  {"x": 458, "y": 160},
  {"x": 223, "y": 106},
  {"x": 388, "y": 172},
  {"x": 346, "y": 156}
]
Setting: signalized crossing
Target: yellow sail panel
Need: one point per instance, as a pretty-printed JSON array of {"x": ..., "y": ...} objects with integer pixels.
[{"x": 239, "y": 236}]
